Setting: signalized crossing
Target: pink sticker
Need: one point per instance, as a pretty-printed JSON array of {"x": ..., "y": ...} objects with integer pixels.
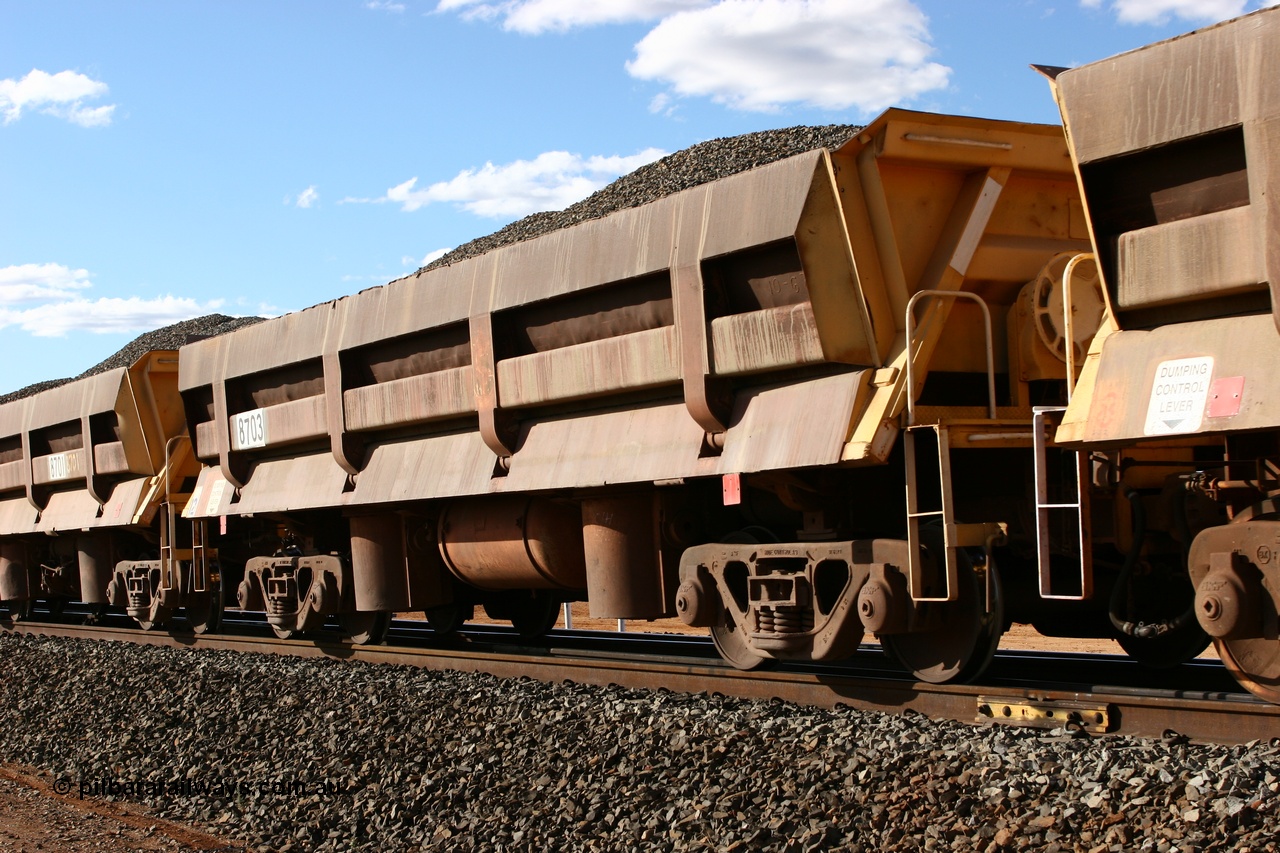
[
  {"x": 731, "y": 486},
  {"x": 1225, "y": 396}
]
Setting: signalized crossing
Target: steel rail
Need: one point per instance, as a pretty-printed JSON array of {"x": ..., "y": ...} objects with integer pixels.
[{"x": 1217, "y": 716}]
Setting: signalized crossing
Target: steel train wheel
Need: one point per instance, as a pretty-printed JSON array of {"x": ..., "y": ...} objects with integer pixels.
[
  {"x": 732, "y": 645},
  {"x": 1168, "y": 650},
  {"x": 729, "y": 637},
  {"x": 534, "y": 616},
  {"x": 1261, "y": 675},
  {"x": 96, "y": 614},
  {"x": 449, "y": 618},
  {"x": 20, "y": 611},
  {"x": 964, "y": 635},
  {"x": 285, "y": 633},
  {"x": 204, "y": 611},
  {"x": 1255, "y": 661},
  {"x": 365, "y": 627}
]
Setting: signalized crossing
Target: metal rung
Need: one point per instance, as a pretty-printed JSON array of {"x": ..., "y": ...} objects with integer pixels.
[
  {"x": 915, "y": 572},
  {"x": 1045, "y": 418}
]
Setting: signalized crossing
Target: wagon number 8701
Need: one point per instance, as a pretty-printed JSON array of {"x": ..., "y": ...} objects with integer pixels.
[{"x": 250, "y": 430}]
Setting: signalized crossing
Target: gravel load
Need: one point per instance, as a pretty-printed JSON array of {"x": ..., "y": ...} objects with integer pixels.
[
  {"x": 698, "y": 164},
  {"x": 169, "y": 337},
  {"x": 292, "y": 755}
]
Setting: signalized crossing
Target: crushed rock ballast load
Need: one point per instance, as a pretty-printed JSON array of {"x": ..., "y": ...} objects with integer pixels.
[
  {"x": 173, "y": 336},
  {"x": 690, "y": 167},
  {"x": 293, "y": 754},
  {"x": 693, "y": 166}
]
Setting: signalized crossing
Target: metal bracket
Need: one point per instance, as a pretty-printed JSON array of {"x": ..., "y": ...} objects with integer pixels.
[{"x": 1091, "y": 717}]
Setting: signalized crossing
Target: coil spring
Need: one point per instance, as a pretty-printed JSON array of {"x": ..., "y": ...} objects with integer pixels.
[{"x": 784, "y": 620}]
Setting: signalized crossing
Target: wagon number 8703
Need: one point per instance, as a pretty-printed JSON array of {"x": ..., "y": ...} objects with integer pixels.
[{"x": 250, "y": 430}]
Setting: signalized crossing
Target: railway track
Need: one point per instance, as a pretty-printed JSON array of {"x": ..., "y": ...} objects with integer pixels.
[{"x": 1093, "y": 694}]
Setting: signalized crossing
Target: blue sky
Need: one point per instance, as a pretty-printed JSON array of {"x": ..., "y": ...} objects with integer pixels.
[{"x": 161, "y": 160}]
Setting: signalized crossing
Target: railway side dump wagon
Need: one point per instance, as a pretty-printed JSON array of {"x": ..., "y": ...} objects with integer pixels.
[
  {"x": 1177, "y": 149},
  {"x": 793, "y": 405},
  {"x": 92, "y": 475}
]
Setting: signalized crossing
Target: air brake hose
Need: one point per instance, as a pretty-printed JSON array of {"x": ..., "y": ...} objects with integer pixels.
[{"x": 1141, "y": 630}]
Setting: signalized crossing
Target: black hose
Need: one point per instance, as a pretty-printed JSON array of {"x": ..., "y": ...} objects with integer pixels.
[{"x": 1141, "y": 630}]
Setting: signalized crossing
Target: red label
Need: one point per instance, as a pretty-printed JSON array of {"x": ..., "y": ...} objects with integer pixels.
[
  {"x": 731, "y": 485},
  {"x": 1225, "y": 396}
]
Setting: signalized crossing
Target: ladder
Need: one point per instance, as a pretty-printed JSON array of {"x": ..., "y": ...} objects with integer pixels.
[
  {"x": 1075, "y": 508},
  {"x": 942, "y": 510},
  {"x": 1071, "y": 510}
]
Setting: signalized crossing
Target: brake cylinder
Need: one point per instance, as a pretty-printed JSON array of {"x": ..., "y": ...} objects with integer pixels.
[{"x": 514, "y": 542}]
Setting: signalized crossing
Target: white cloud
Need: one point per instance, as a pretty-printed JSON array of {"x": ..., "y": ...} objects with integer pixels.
[
  {"x": 307, "y": 197},
  {"x": 384, "y": 6},
  {"x": 58, "y": 95},
  {"x": 539, "y": 16},
  {"x": 39, "y": 282},
  {"x": 105, "y": 315},
  {"x": 1158, "y": 12},
  {"x": 661, "y": 103},
  {"x": 411, "y": 261},
  {"x": 47, "y": 300},
  {"x": 759, "y": 55},
  {"x": 551, "y": 181}
]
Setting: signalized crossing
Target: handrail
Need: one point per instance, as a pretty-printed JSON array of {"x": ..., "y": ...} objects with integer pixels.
[
  {"x": 911, "y": 330},
  {"x": 1067, "y": 311}
]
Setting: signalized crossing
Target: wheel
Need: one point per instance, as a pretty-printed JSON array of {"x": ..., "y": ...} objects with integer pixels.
[
  {"x": 534, "y": 615},
  {"x": 964, "y": 634},
  {"x": 1261, "y": 676},
  {"x": 204, "y": 611},
  {"x": 157, "y": 616},
  {"x": 1167, "y": 650},
  {"x": 365, "y": 627},
  {"x": 97, "y": 612},
  {"x": 285, "y": 633},
  {"x": 20, "y": 611},
  {"x": 732, "y": 645},
  {"x": 1162, "y": 594},
  {"x": 449, "y": 618},
  {"x": 1255, "y": 661}
]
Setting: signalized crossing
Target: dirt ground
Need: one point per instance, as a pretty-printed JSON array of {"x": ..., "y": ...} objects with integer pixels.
[{"x": 36, "y": 815}]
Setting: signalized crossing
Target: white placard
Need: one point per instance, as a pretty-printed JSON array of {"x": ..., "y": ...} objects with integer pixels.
[
  {"x": 60, "y": 466},
  {"x": 193, "y": 502},
  {"x": 1179, "y": 392},
  {"x": 216, "y": 492},
  {"x": 249, "y": 430}
]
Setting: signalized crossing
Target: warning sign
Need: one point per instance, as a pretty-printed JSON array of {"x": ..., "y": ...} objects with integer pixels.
[{"x": 1178, "y": 395}]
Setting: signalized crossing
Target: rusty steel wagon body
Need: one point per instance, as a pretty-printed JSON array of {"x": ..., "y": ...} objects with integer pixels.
[
  {"x": 792, "y": 405},
  {"x": 954, "y": 374},
  {"x": 1177, "y": 149},
  {"x": 91, "y": 474}
]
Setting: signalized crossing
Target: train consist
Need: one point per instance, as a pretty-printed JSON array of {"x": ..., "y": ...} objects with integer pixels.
[{"x": 954, "y": 374}]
